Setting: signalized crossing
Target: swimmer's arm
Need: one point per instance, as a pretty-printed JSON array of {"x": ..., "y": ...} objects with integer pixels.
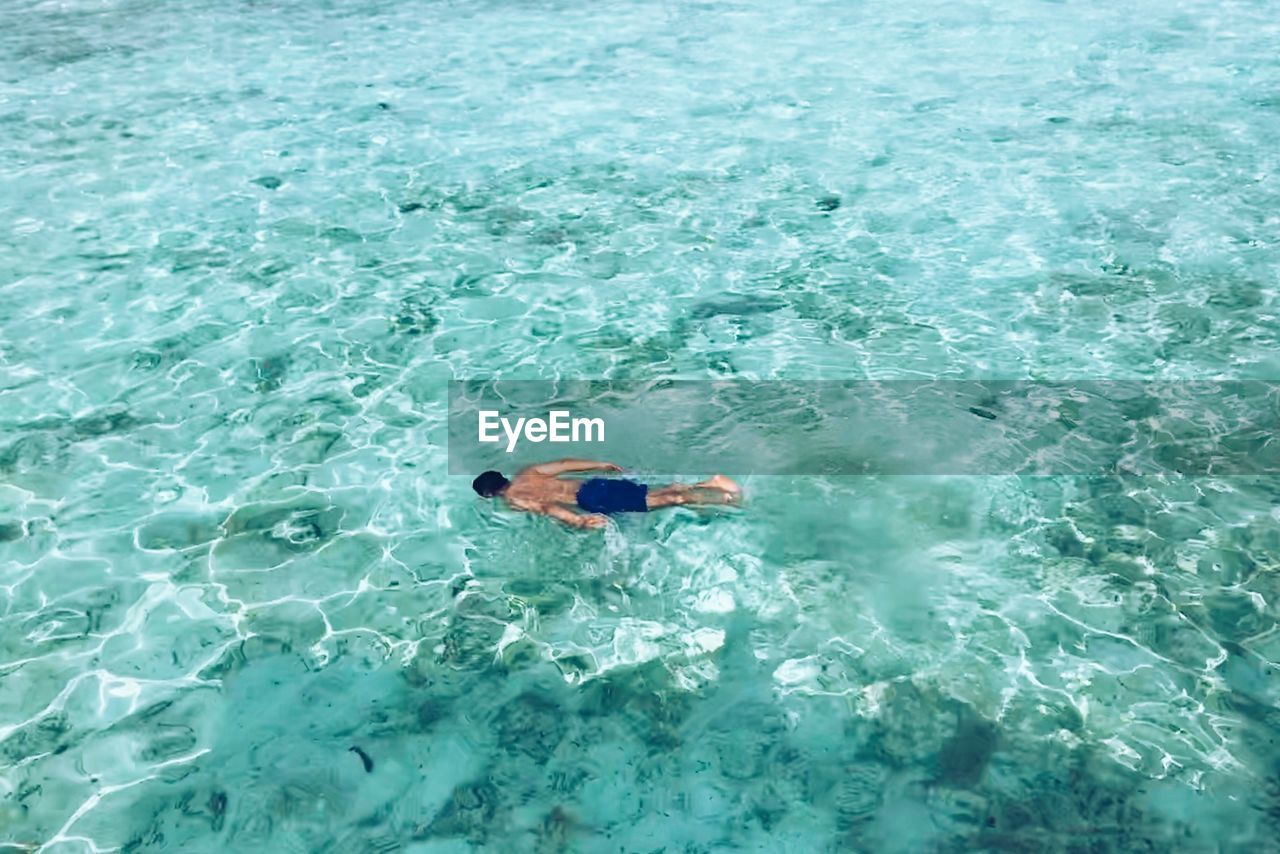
[
  {"x": 559, "y": 513},
  {"x": 571, "y": 465},
  {"x": 575, "y": 520}
]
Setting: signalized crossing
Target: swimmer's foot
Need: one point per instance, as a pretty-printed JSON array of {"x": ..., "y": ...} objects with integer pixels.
[{"x": 730, "y": 490}]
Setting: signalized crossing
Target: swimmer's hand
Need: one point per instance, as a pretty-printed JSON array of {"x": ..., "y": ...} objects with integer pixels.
[{"x": 568, "y": 517}]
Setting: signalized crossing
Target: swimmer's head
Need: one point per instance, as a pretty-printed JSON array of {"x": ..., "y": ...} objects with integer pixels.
[{"x": 489, "y": 484}]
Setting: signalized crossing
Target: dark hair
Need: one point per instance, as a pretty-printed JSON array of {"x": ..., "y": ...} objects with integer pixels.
[{"x": 489, "y": 484}]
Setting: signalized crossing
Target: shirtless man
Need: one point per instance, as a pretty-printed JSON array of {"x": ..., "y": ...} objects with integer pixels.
[{"x": 539, "y": 489}]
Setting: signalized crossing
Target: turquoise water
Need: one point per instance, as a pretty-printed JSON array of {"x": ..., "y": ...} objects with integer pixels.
[{"x": 248, "y": 243}]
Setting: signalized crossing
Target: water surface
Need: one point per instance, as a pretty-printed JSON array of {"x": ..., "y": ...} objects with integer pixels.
[{"x": 248, "y": 243}]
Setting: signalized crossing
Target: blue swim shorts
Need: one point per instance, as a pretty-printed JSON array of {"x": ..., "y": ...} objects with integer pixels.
[{"x": 601, "y": 495}]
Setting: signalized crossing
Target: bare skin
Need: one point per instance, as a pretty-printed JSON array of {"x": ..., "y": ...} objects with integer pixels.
[{"x": 539, "y": 489}]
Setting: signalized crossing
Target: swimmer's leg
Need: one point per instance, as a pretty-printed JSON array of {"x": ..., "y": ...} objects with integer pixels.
[
  {"x": 717, "y": 490},
  {"x": 668, "y": 496}
]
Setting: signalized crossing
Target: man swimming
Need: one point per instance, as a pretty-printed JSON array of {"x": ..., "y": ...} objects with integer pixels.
[{"x": 539, "y": 489}]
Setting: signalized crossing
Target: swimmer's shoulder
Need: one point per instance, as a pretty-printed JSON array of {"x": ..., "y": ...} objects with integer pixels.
[{"x": 526, "y": 489}]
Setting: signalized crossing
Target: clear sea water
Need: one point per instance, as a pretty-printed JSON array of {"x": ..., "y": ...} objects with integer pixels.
[{"x": 246, "y": 245}]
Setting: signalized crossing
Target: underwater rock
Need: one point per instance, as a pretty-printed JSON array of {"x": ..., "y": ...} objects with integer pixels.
[
  {"x": 1112, "y": 509},
  {"x": 738, "y": 305},
  {"x": 104, "y": 423},
  {"x": 342, "y": 234},
  {"x": 168, "y": 741},
  {"x": 965, "y": 754},
  {"x": 503, "y": 219},
  {"x": 742, "y": 759},
  {"x": 217, "y": 809},
  {"x": 210, "y": 805},
  {"x": 177, "y": 531},
  {"x": 414, "y": 317},
  {"x": 12, "y": 531},
  {"x": 645, "y": 697},
  {"x": 50, "y": 734},
  {"x": 769, "y": 807},
  {"x": 551, "y": 236},
  {"x": 169, "y": 351},
  {"x": 299, "y": 528},
  {"x": 147, "y": 360},
  {"x": 1065, "y": 538},
  {"x": 314, "y": 446},
  {"x": 519, "y": 654},
  {"x": 238, "y": 657},
  {"x": 465, "y": 202},
  {"x": 470, "y": 644},
  {"x": 1236, "y": 295},
  {"x": 1234, "y": 616},
  {"x": 469, "y": 812},
  {"x": 56, "y": 626},
  {"x": 556, "y": 829},
  {"x": 1091, "y": 285},
  {"x": 1185, "y": 324},
  {"x": 303, "y": 794},
  {"x": 431, "y": 712},
  {"x": 1074, "y": 812},
  {"x": 858, "y": 794},
  {"x": 300, "y": 622},
  {"x": 203, "y": 258},
  {"x": 270, "y": 372},
  {"x": 267, "y": 273},
  {"x": 547, "y": 596},
  {"x": 531, "y": 724},
  {"x": 912, "y": 724}
]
